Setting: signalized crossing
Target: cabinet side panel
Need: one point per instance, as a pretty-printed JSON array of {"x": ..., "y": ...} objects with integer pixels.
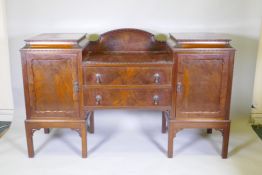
[{"x": 25, "y": 83}]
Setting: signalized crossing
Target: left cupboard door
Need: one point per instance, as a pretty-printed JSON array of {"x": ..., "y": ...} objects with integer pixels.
[{"x": 53, "y": 85}]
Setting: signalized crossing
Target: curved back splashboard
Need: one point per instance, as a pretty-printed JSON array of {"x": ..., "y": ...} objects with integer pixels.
[{"x": 127, "y": 40}]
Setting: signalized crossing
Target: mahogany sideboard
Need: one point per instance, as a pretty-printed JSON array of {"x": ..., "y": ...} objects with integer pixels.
[{"x": 67, "y": 77}]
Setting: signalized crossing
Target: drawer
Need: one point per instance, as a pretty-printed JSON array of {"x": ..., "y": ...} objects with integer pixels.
[
  {"x": 127, "y": 97},
  {"x": 127, "y": 75}
]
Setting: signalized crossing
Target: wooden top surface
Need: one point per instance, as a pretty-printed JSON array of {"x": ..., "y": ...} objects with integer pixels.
[
  {"x": 55, "y": 40},
  {"x": 57, "y": 37},
  {"x": 199, "y": 37},
  {"x": 200, "y": 40}
]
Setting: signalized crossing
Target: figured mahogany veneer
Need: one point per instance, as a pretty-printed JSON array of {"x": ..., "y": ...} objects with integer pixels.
[
  {"x": 151, "y": 98},
  {"x": 127, "y": 75},
  {"x": 67, "y": 78}
]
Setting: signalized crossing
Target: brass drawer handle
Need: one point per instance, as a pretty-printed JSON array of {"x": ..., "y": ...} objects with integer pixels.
[
  {"x": 156, "y": 99},
  {"x": 98, "y": 99},
  {"x": 157, "y": 78},
  {"x": 98, "y": 78}
]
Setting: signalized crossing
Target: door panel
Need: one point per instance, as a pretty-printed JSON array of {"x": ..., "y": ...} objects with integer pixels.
[
  {"x": 201, "y": 85},
  {"x": 51, "y": 85}
]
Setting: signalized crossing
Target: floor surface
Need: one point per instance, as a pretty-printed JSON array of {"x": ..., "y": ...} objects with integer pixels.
[
  {"x": 4, "y": 125},
  {"x": 131, "y": 142},
  {"x": 258, "y": 130}
]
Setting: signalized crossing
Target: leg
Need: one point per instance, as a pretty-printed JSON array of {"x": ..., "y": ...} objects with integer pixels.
[
  {"x": 84, "y": 140},
  {"x": 163, "y": 122},
  {"x": 29, "y": 138},
  {"x": 225, "y": 141},
  {"x": 209, "y": 130},
  {"x": 92, "y": 127},
  {"x": 170, "y": 140},
  {"x": 46, "y": 130}
]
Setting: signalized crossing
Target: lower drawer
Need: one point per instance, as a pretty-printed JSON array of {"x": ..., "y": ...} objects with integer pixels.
[{"x": 127, "y": 97}]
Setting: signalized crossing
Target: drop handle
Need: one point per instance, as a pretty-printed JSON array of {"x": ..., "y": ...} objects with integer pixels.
[
  {"x": 98, "y": 99},
  {"x": 179, "y": 87},
  {"x": 156, "y": 99},
  {"x": 157, "y": 78},
  {"x": 98, "y": 78},
  {"x": 76, "y": 87}
]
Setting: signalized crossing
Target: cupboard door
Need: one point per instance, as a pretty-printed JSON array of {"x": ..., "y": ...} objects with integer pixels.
[
  {"x": 201, "y": 86},
  {"x": 53, "y": 85}
]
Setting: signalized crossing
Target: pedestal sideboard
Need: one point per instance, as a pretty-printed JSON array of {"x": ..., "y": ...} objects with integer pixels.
[{"x": 68, "y": 77}]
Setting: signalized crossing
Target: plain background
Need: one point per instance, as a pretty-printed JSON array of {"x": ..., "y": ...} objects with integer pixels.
[
  {"x": 6, "y": 98},
  {"x": 240, "y": 19},
  {"x": 134, "y": 144}
]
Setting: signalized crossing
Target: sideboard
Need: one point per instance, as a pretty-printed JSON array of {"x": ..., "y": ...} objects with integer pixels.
[{"x": 67, "y": 77}]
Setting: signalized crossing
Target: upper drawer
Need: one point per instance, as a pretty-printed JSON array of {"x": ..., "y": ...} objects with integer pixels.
[{"x": 127, "y": 75}]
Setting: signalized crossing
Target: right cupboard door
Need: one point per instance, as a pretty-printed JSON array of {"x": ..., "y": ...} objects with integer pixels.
[{"x": 202, "y": 84}]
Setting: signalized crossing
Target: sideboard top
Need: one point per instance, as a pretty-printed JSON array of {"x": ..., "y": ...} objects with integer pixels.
[
  {"x": 202, "y": 40},
  {"x": 128, "y": 40},
  {"x": 55, "y": 40},
  {"x": 200, "y": 36},
  {"x": 64, "y": 37}
]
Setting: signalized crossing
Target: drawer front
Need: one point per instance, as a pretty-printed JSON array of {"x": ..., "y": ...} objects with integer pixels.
[
  {"x": 127, "y": 75},
  {"x": 127, "y": 97}
]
